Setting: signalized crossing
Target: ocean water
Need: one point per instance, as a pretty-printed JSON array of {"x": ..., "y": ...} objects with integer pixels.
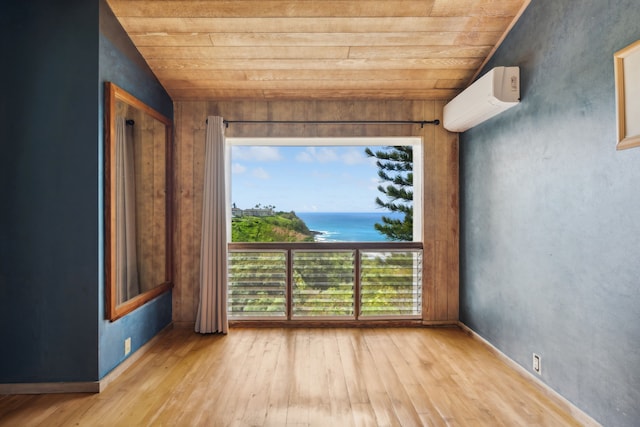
[{"x": 346, "y": 226}]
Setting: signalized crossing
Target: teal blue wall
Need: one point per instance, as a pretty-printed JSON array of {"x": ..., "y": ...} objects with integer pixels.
[
  {"x": 549, "y": 211},
  {"x": 122, "y": 64},
  {"x": 56, "y": 56},
  {"x": 49, "y": 211}
]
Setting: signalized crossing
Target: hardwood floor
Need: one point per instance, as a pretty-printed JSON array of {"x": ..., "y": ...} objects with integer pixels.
[{"x": 303, "y": 377}]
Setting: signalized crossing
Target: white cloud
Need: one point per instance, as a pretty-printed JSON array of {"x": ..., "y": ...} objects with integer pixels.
[
  {"x": 317, "y": 154},
  {"x": 256, "y": 154},
  {"x": 260, "y": 173},
  {"x": 324, "y": 155},
  {"x": 348, "y": 156},
  {"x": 304, "y": 157},
  {"x": 354, "y": 156},
  {"x": 237, "y": 168}
]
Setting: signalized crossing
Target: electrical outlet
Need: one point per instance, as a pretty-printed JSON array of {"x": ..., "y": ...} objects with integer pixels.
[
  {"x": 537, "y": 364},
  {"x": 127, "y": 346}
]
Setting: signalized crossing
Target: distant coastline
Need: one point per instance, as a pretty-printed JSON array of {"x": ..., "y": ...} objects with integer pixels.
[{"x": 345, "y": 226}]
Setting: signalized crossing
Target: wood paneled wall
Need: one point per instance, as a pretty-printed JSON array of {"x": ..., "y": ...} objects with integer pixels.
[{"x": 441, "y": 229}]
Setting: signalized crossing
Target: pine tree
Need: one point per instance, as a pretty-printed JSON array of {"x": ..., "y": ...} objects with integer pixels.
[{"x": 395, "y": 166}]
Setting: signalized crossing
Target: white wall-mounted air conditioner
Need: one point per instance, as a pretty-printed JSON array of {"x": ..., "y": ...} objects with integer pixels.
[{"x": 493, "y": 93}]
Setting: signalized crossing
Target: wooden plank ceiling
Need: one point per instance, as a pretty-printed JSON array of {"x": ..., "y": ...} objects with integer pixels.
[{"x": 316, "y": 49}]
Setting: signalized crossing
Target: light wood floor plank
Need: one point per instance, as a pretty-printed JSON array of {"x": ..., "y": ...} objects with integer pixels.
[
  {"x": 340, "y": 405},
  {"x": 385, "y": 354},
  {"x": 304, "y": 377}
]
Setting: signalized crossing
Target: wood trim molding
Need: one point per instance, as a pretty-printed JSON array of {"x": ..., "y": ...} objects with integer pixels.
[
  {"x": 113, "y": 309},
  {"x": 544, "y": 388},
  {"x": 49, "y": 388},
  {"x": 624, "y": 100},
  {"x": 325, "y": 323},
  {"x": 440, "y": 323}
]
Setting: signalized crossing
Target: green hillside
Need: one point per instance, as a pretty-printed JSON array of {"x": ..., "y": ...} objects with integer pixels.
[{"x": 280, "y": 227}]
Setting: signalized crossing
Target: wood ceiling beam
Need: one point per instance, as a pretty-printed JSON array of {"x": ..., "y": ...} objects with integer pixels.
[
  {"x": 305, "y": 84},
  {"x": 293, "y": 64},
  {"x": 313, "y": 25},
  {"x": 418, "y": 52},
  {"x": 318, "y": 52},
  {"x": 301, "y": 75},
  {"x": 238, "y": 94},
  {"x": 444, "y": 38},
  {"x": 271, "y": 8},
  {"x": 248, "y": 53},
  {"x": 475, "y": 7}
]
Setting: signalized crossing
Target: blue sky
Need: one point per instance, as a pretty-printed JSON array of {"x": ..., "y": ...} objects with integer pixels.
[{"x": 304, "y": 179}]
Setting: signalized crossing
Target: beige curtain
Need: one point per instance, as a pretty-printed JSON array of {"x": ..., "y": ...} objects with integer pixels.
[
  {"x": 212, "y": 309},
  {"x": 127, "y": 278}
]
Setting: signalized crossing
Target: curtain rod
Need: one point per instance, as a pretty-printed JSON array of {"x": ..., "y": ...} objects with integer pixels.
[{"x": 338, "y": 122}]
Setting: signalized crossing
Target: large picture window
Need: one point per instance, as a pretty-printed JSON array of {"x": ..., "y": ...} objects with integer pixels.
[
  {"x": 331, "y": 184},
  {"x": 325, "y": 228}
]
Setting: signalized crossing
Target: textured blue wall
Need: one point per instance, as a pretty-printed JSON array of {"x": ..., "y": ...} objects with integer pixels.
[
  {"x": 48, "y": 191},
  {"x": 57, "y": 55},
  {"x": 549, "y": 211},
  {"x": 123, "y": 65}
]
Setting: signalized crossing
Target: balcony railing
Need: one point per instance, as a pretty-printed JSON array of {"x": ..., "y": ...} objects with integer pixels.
[{"x": 341, "y": 281}]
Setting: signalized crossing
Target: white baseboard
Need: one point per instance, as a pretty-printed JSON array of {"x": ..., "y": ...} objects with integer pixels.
[
  {"x": 556, "y": 397},
  {"x": 81, "y": 387}
]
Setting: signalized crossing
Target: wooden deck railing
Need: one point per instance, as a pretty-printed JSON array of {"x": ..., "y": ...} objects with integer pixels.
[{"x": 325, "y": 281}]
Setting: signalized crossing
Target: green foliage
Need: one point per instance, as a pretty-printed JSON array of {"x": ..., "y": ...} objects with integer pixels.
[
  {"x": 388, "y": 284},
  {"x": 395, "y": 166},
  {"x": 323, "y": 284},
  {"x": 281, "y": 227},
  {"x": 257, "y": 283}
]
